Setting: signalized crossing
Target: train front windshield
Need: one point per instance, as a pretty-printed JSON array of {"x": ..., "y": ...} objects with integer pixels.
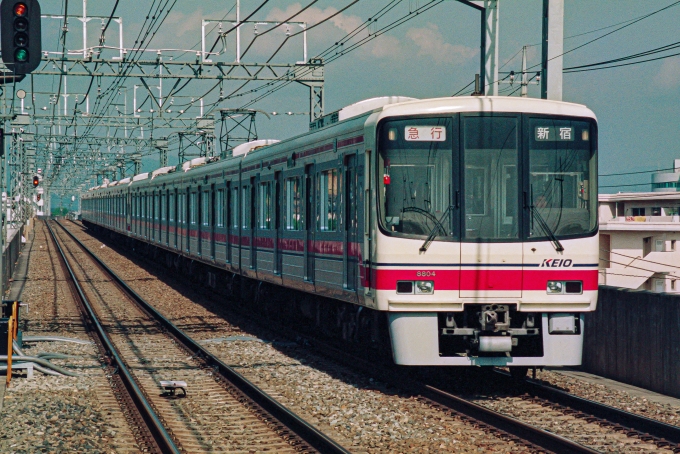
[{"x": 500, "y": 178}]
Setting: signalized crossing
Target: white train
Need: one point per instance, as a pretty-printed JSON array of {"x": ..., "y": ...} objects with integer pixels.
[{"x": 467, "y": 227}]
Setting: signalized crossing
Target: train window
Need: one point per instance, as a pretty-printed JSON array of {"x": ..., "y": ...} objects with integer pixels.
[
  {"x": 163, "y": 207},
  {"x": 157, "y": 206},
  {"x": 562, "y": 180},
  {"x": 181, "y": 206},
  {"x": 245, "y": 205},
  {"x": 171, "y": 207},
  {"x": 233, "y": 211},
  {"x": 491, "y": 180},
  {"x": 293, "y": 204},
  {"x": 327, "y": 201},
  {"x": 264, "y": 213},
  {"x": 193, "y": 208},
  {"x": 219, "y": 208},
  {"x": 205, "y": 208},
  {"x": 415, "y": 177}
]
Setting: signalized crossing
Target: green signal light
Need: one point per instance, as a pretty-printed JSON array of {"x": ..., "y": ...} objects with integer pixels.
[{"x": 21, "y": 55}]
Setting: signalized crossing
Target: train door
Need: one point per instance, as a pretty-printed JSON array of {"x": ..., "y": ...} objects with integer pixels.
[
  {"x": 186, "y": 210},
  {"x": 214, "y": 210},
  {"x": 145, "y": 205},
  {"x": 228, "y": 219},
  {"x": 278, "y": 224},
  {"x": 201, "y": 219},
  {"x": 128, "y": 212},
  {"x": 166, "y": 218},
  {"x": 156, "y": 216},
  {"x": 193, "y": 222},
  {"x": 310, "y": 221},
  {"x": 491, "y": 247},
  {"x": 351, "y": 233},
  {"x": 253, "y": 221}
]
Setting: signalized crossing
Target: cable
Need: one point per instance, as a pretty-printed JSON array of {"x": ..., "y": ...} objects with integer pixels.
[
  {"x": 634, "y": 173},
  {"x": 622, "y": 64},
  {"x": 222, "y": 35},
  {"x": 635, "y": 275},
  {"x": 354, "y": 46},
  {"x": 106, "y": 27},
  {"x": 641, "y": 18},
  {"x": 623, "y": 185},
  {"x": 639, "y": 258},
  {"x": 462, "y": 89}
]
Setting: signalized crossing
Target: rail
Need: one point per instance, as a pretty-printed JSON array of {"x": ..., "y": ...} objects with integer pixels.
[
  {"x": 660, "y": 433},
  {"x": 155, "y": 426},
  {"x": 318, "y": 440}
]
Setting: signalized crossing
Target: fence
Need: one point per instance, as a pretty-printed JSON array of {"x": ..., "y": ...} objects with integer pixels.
[
  {"x": 634, "y": 337},
  {"x": 10, "y": 256}
]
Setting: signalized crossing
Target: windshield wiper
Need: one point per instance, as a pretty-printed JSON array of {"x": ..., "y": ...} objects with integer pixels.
[
  {"x": 546, "y": 228},
  {"x": 437, "y": 227}
]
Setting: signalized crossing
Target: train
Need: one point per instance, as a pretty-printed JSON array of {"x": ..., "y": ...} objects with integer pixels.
[{"x": 465, "y": 226}]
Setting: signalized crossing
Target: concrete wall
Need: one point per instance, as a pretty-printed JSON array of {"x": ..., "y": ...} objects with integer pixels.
[
  {"x": 634, "y": 337},
  {"x": 9, "y": 257}
]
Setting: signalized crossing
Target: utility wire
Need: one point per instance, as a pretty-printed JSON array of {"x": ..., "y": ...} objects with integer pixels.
[
  {"x": 222, "y": 35},
  {"x": 639, "y": 258},
  {"x": 622, "y": 64},
  {"x": 623, "y": 185},
  {"x": 641, "y": 18},
  {"x": 634, "y": 173}
]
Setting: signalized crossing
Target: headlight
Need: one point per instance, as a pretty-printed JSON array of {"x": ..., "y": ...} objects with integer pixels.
[
  {"x": 555, "y": 286},
  {"x": 424, "y": 287},
  {"x": 569, "y": 287}
]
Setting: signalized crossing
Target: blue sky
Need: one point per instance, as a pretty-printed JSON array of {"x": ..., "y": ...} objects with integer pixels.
[{"x": 436, "y": 54}]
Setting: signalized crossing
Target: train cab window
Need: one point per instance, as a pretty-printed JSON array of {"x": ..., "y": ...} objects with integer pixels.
[
  {"x": 233, "y": 210},
  {"x": 205, "y": 208},
  {"x": 219, "y": 208},
  {"x": 293, "y": 204},
  {"x": 264, "y": 213},
  {"x": 193, "y": 208},
  {"x": 414, "y": 177},
  {"x": 563, "y": 178},
  {"x": 327, "y": 201},
  {"x": 491, "y": 179}
]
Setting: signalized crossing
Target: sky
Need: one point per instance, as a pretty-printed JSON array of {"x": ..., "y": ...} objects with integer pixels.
[{"x": 433, "y": 54}]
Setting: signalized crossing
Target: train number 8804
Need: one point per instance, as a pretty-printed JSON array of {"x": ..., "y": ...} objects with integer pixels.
[{"x": 425, "y": 274}]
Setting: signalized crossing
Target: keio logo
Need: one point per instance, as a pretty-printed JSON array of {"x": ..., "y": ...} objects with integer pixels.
[{"x": 556, "y": 263}]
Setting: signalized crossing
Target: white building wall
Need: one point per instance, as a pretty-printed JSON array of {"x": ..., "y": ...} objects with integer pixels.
[{"x": 644, "y": 252}]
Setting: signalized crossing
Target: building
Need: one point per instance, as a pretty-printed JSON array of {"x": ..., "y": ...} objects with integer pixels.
[
  {"x": 639, "y": 233},
  {"x": 667, "y": 181}
]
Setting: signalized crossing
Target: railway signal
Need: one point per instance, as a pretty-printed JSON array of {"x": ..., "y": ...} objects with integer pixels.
[
  {"x": 36, "y": 181},
  {"x": 20, "y": 35}
]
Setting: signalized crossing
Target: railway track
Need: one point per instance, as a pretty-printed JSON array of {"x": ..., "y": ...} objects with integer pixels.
[
  {"x": 539, "y": 400},
  {"x": 223, "y": 410},
  {"x": 532, "y": 439},
  {"x": 661, "y": 434}
]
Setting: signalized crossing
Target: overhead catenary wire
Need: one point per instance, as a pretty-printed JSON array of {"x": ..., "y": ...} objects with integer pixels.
[
  {"x": 625, "y": 25},
  {"x": 337, "y": 55}
]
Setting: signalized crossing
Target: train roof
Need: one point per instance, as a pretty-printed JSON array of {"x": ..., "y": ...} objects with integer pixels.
[
  {"x": 485, "y": 104},
  {"x": 392, "y": 106}
]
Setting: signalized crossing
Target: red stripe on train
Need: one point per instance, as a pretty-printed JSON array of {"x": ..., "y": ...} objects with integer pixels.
[{"x": 486, "y": 279}]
